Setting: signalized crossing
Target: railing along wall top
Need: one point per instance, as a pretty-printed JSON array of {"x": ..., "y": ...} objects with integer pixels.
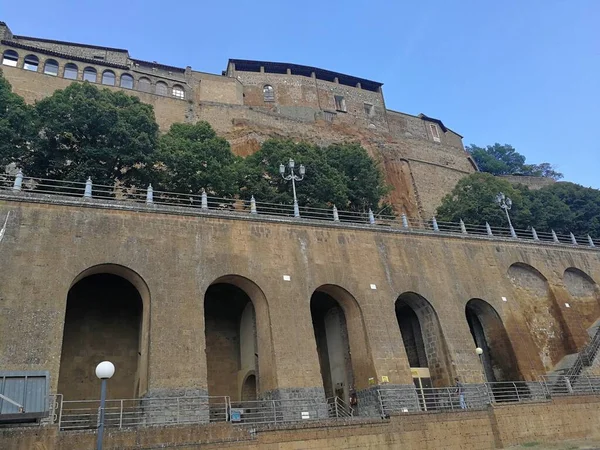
[{"x": 204, "y": 203}]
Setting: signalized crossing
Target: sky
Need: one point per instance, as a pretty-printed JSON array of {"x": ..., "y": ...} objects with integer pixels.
[{"x": 520, "y": 72}]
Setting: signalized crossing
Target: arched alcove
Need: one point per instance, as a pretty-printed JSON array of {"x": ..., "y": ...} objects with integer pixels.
[
  {"x": 340, "y": 336},
  {"x": 586, "y": 296},
  {"x": 498, "y": 358},
  {"x": 541, "y": 313},
  {"x": 107, "y": 318},
  {"x": 238, "y": 339},
  {"x": 423, "y": 340}
]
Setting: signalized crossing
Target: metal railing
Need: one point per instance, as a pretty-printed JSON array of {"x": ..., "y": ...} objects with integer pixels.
[
  {"x": 199, "y": 203},
  {"x": 586, "y": 355},
  {"x": 339, "y": 408},
  {"x": 278, "y": 411},
  {"x": 561, "y": 385}
]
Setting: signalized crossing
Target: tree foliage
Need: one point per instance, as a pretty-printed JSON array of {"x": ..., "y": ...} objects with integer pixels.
[
  {"x": 563, "y": 207},
  {"x": 343, "y": 175},
  {"x": 505, "y": 160}
]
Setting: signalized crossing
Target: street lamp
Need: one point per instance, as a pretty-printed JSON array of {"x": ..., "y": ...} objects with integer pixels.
[
  {"x": 294, "y": 178},
  {"x": 479, "y": 352},
  {"x": 104, "y": 371},
  {"x": 506, "y": 203}
]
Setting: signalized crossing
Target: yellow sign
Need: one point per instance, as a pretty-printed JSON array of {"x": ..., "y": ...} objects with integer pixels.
[
  {"x": 371, "y": 380},
  {"x": 385, "y": 379}
]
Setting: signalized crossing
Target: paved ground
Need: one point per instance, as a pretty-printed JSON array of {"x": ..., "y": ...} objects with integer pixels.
[{"x": 566, "y": 445}]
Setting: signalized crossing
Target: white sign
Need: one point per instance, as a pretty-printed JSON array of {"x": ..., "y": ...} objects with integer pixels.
[
  {"x": 504, "y": 299},
  {"x": 373, "y": 287},
  {"x": 567, "y": 305},
  {"x": 305, "y": 415},
  {"x": 286, "y": 278}
]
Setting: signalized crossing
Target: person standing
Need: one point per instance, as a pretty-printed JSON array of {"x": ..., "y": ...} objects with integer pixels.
[{"x": 460, "y": 390}]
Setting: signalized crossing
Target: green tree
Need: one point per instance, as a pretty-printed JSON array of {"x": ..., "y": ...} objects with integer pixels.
[
  {"x": 500, "y": 159},
  {"x": 584, "y": 205},
  {"x": 16, "y": 126},
  {"x": 473, "y": 200},
  {"x": 342, "y": 174},
  {"x": 83, "y": 131},
  {"x": 191, "y": 158}
]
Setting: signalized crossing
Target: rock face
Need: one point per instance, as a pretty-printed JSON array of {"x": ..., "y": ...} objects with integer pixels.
[{"x": 252, "y": 101}]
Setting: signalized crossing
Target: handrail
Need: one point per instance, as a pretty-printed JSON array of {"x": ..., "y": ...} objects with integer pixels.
[
  {"x": 203, "y": 202},
  {"x": 586, "y": 356}
]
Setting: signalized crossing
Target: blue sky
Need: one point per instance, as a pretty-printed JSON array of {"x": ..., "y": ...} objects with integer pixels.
[{"x": 525, "y": 73}]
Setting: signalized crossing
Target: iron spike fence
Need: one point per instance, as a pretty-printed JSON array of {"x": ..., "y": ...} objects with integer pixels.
[{"x": 202, "y": 203}]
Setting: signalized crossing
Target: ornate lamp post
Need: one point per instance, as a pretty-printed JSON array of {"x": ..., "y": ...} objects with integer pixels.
[
  {"x": 294, "y": 178},
  {"x": 479, "y": 352},
  {"x": 104, "y": 371},
  {"x": 506, "y": 203}
]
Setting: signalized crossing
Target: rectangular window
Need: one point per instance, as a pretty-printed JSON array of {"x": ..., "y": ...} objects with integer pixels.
[
  {"x": 434, "y": 132},
  {"x": 340, "y": 103},
  {"x": 328, "y": 116},
  {"x": 369, "y": 110}
]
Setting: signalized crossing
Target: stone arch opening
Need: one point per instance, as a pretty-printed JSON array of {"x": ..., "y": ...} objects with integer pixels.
[
  {"x": 423, "y": 340},
  {"x": 342, "y": 349},
  {"x": 542, "y": 314},
  {"x": 10, "y": 58},
  {"x": 238, "y": 339},
  {"x": 488, "y": 332},
  {"x": 107, "y": 318},
  {"x": 71, "y": 71},
  {"x": 586, "y": 295},
  {"x": 31, "y": 63}
]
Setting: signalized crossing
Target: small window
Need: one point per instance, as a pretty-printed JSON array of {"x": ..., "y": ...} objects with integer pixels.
[
  {"x": 71, "y": 71},
  {"x": 434, "y": 132},
  {"x": 178, "y": 91},
  {"x": 144, "y": 85},
  {"x": 161, "y": 88},
  {"x": 369, "y": 110},
  {"x": 10, "y": 58},
  {"x": 89, "y": 74},
  {"x": 51, "y": 67},
  {"x": 268, "y": 93},
  {"x": 328, "y": 116},
  {"x": 126, "y": 81},
  {"x": 31, "y": 63},
  {"x": 340, "y": 103},
  {"x": 108, "y": 78}
]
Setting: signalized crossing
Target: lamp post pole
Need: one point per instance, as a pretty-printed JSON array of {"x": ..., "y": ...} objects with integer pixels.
[
  {"x": 506, "y": 204},
  {"x": 294, "y": 178},
  {"x": 104, "y": 371},
  {"x": 479, "y": 352}
]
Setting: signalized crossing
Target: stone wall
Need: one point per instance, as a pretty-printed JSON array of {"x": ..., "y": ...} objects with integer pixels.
[
  {"x": 500, "y": 427},
  {"x": 177, "y": 257},
  {"x": 533, "y": 183}
]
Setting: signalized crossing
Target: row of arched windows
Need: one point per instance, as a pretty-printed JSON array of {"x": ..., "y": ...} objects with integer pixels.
[{"x": 108, "y": 78}]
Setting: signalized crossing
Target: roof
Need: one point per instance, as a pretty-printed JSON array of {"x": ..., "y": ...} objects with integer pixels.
[
  {"x": 439, "y": 122},
  {"x": 246, "y": 65},
  {"x": 75, "y": 44}
]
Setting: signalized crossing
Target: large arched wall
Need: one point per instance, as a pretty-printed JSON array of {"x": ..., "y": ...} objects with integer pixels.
[
  {"x": 586, "y": 295},
  {"x": 541, "y": 313}
]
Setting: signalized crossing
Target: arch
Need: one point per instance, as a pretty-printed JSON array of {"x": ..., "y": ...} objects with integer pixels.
[
  {"x": 238, "y": 336},
  {"x": 71, "y": 71},
  {"x": 423, "y": 339},
  {"x": 90, "y": 74},
  {"x": 51, "y": 67},
  {"x": 488, "y": 332},
  {"x": 344, "y": 356},
  {"x": 10, "y": 58},
  {"x": 126, "y": 81},
  {"x": 119, "y": 298},
  {"x": 144, "y": 84},
  {"x": 542, "y": 314},
  {"x": 31, "y": 63},
  {"x": 586, "y": 296},
  {"x": 268, "y": 93},
  {"x": 108, "y": 78},
  {"x": 161, "y": 88},
  {"x": 249, "y": 392},
  {"x": 178, "y": 91}
]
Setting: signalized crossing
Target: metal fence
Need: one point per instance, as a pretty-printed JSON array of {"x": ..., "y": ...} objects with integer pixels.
[
  {"x": 560, "y": 385},
  {"x": 199, "y": 203}
]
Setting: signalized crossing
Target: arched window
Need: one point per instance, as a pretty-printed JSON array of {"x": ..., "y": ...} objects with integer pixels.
[
  {"x": 89, "y": 74},
  {"x": 268, "y": 93},
  {"x": 10, "y": 58},
  {"x": 108, "y": 78},
  {"x": 126, "y": 81},
  {"x": 178, "y": 91},
  {"x": 161, "y": 88},
  {"x": 71, "y": 71},
  {"x": 31, "y": 63},
  {"x": 51, "y": 67},
  {"x": 144, "y": 85}
]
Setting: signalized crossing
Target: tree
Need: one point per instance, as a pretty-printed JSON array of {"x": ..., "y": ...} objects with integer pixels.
[
  {"x": 584, "y": 205},
  {"x": 83, "y": 131},
  {"x": 343, "y": 175},
  {"x": 16, "y": 126},
  {"x": 191, "y": 158},
  {"x": 505, "y": 160},
  {"x": 473, "y": 200}
]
